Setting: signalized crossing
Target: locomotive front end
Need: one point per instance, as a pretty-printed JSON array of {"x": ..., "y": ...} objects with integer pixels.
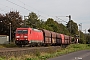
[{"x": 21, "y": 37}]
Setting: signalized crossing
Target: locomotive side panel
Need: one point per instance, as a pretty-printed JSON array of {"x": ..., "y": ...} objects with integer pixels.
[{"x": 37, "y": 36}]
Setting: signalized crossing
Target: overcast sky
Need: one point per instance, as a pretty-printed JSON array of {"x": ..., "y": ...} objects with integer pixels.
[{"x": 78, "y": 9}]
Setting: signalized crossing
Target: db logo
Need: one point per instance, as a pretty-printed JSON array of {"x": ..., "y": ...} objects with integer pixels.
[{"x": 21, "y": 36}]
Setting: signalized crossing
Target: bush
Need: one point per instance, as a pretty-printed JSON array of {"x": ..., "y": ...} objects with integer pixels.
[{"x": 7, "y": 45}]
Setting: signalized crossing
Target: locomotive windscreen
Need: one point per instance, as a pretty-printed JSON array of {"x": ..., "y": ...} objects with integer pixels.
[{"x": 22, "y": 31}]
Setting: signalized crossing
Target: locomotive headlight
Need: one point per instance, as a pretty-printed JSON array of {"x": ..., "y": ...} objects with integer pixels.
[
  {"x": 25, "y": 36},
  {"x": 17, "y": 36}
]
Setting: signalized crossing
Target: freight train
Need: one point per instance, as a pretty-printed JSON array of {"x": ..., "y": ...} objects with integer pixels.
[{"x": 35, "y": 37}]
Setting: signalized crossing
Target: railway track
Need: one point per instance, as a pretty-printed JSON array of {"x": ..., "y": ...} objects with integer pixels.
[{"x": 7, "y": 52}]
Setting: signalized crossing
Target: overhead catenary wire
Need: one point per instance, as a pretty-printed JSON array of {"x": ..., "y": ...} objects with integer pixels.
[
  {"x": 18, "y": 5},
  {"x": 11, "y": 9},
  {"x": 8, "y": 7},
  {"x": 39, "y": 15},
  {"x": 61, "y": 19},
  {"x": 26, "y": 8},
  {"x": 5, "y": 6},
  {"x": 2, "y": 10},
  {"x": 22, "y": 7},
  {"x": 33, "y": 8}
]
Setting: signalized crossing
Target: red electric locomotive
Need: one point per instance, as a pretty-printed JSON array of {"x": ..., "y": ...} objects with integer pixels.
[{"x": 26, "y": 36}]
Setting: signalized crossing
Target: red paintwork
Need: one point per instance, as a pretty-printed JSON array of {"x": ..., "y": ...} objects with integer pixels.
[
  {"x": 21, "y": 35},
  {"x": 62, "y": 38},
  {"x": 65, "y": 39},
  {"x": 32, "y": 35}
]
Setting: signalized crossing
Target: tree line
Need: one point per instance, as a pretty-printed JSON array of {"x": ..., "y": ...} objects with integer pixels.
[{"x": 33, "y": 21}]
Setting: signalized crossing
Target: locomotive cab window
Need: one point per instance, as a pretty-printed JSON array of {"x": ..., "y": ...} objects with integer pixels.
[
  {"x": 25, "y": 31},
  {"x": 19, "y": 31},
  {"x": 22, "y": 31}
]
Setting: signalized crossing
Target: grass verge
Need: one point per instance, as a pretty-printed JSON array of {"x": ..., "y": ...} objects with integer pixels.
[
  {"x": 45, "y": 55},
  {"x": 7, "y": 45}
]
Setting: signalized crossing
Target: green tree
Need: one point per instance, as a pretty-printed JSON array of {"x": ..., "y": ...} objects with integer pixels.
[
  {"x": 89, "y": 30},
  {"x": 82, "y": 38},
  {"x": 87, "y": 38},
  {"x": 63, "y": 29},
  {"x": 1, "y": 24},
  {"x": 12, "y": 17},
  {"x": 33, "y": 21},
  {"x": 51, "y": 25},
  {"x": 73, "y": 27}
]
